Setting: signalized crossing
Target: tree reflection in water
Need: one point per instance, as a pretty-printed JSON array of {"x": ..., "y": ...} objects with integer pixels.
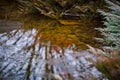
[{"x": 27, "y": 54}]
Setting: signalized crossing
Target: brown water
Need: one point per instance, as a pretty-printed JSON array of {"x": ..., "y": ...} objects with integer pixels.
[
  {"x": 65, "y": 32},
  {"x": 38, "y": 48}
]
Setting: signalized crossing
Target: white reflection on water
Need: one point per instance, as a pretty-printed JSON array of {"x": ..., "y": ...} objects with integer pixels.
[{"x": 24, "y": 57}]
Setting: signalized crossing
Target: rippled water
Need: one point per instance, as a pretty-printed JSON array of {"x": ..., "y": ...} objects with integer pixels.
[{"x": 44, "y": 49}]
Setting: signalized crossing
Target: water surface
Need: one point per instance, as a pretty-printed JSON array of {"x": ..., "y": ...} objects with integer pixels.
[{"x": 45, "y": 49}]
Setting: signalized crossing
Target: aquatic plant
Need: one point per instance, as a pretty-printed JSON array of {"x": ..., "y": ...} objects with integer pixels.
[
  {"x": 108, "y": 61},
  {"x": 82, "y": 9},
  {"x": 59, "y": 8},
  {"x": 111, "y": 68},
  {"x": 112, "y": 23}
]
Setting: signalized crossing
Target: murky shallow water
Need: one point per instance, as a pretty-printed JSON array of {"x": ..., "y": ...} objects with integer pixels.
[{"x": 44, "y": 49}]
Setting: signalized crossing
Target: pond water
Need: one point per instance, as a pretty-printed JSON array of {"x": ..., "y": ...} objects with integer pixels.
[{"x": 38, "y": 48}]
